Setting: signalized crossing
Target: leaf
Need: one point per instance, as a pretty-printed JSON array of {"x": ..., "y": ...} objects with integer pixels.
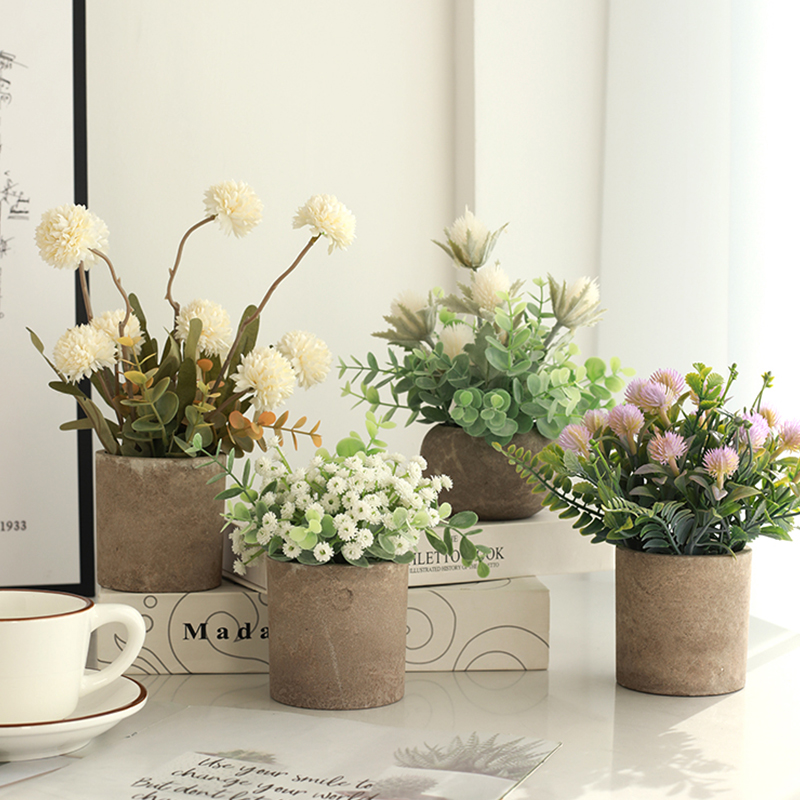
[
  {"x": 66, "y": 388},
  {"x": 137, "y": 377},
  {"x": 37, "y": 342},
  {"x": 595, "y": 368},
  {"x": 80, "y": 424},
  {"x": 167, "y": 407},
  {"x": 436, "y": 543}
]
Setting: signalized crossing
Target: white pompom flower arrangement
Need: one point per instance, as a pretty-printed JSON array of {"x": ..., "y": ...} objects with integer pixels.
[{"x": 207, "y": 375}]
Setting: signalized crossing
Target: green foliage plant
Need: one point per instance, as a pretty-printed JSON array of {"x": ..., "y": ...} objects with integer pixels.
[
  {"x": 673, "y": 470},
  {"x": 359, "y": 505},
  {"x": 491, "y": 359}
]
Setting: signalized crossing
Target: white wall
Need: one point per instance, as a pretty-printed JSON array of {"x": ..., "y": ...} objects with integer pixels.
[
  {"x": 599, "y": 129},
  {"x": 353, "y": 99}
]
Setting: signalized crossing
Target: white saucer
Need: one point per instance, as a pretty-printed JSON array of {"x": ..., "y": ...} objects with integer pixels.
[{"x": 96, "y": 713}]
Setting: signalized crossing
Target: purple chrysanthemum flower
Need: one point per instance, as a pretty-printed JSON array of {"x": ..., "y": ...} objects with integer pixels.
[
  {"x": 666, "y": 448},
  {"x": 655, "y": 397},
  {"x": 772, "y": 417},
  {"x": 721, "y": 463},
  {"x": 576, "y": 437},
  {"x": 595, "y": 420},
  {"x": 756, "y": 432},
  {"x": 625, "y": 420},
  {"x": 670, "y": 378},
  {"x": 633, "y": 391},
  {"x": 789, "y": 436}
]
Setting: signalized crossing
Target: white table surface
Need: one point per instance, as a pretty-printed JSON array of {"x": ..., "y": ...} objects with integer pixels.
[{"x": 616, "y": 742}]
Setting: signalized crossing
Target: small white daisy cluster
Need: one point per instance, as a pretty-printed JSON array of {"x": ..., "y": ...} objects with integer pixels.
[{"x": 346, "y": 509}]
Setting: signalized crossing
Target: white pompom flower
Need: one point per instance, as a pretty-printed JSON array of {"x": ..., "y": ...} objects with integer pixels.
[
  {"x": 67, "y": 235},
  {"x": 269, "y": 375},
  {"x": 326, "y": 216},
  {"x": 109, "y": 322},
  {"x": 236, "y": 207},
  {"x": 82, "y": 351},
  {"x": 216, "y": 337},
  {"x": 309, "y": 356}
]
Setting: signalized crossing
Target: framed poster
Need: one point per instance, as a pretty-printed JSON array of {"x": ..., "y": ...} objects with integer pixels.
[{"x": 46, "y": 486}]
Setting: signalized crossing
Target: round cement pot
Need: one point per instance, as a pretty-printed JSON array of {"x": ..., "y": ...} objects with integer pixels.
[
  {"x": 483, "y": 480},
  {"x": 682, "y": 622},
  {"x": 337, "y": 634},
  {"x": 158, "y": 526}
]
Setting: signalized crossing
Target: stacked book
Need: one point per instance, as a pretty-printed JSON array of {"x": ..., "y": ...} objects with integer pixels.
[{"x": 455, "y": 621}]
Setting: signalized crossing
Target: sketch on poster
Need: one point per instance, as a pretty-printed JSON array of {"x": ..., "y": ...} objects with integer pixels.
[
  {"x": 14, "y": 203},
  {"x": 45, "y": 513}
]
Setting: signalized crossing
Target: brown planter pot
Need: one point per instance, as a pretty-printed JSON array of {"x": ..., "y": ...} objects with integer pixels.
[
  {"x": 682, "y": 622},
  {"x": 159, "y": 528},
  {"x": 337, "y": 634},
  {"x": 483, "y": 480}
]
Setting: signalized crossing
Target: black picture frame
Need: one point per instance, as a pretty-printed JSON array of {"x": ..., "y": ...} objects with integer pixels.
[{"x": 85, "y": 584}]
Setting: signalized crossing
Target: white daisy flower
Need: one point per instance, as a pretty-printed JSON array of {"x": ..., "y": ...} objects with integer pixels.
[
  {"x": 216, "y": 337},
  {"x": 266, "y": 373},
  {"x": 309, "y": 356},
  {"x": 326, "y": 216},
  {"x": 352, "y": 551},
  {"x": 66, "y": 236},
  {"x": 109, "y": 322},
  {"x": 82, "y": 351},
  {"x": 323, "y": 552},
  {"x": 236, "y": 207}
]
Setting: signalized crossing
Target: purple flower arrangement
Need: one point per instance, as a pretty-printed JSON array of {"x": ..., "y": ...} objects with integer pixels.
[{"x": 672, "y": 470}]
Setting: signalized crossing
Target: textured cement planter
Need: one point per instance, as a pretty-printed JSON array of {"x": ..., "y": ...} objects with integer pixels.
[
  {"x": 682, "y": 622},
  {"x": 337, "y": 634},
  {"x": 483, "y": 480},
  {"x": 158, "y": 525}
]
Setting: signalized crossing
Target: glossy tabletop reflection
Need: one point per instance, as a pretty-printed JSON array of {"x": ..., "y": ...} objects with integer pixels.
[{"x": 615, "y": 742}]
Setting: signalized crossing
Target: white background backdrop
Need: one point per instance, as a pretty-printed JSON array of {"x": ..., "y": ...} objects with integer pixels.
[{"x": 645, "y": 142}]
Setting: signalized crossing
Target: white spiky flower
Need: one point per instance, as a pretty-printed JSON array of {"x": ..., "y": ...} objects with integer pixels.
[
  {"x": 309, "y": 356},
  {"x": 236, "y": 207},
  {"x": 269, "y": 375},
  {"x": 326, "y": 216},
  {"x": 454, "y": 338},
  {"x": 469, "y": 241},
  {"x": 575, "y": 305},
  {"x": 67, "y": 235},
  {"x": 216, "y": 337},
  {"x": 409, "y": 300},
  {"x": 487, "y": 284},
  {"x": 82, "y": 351}
]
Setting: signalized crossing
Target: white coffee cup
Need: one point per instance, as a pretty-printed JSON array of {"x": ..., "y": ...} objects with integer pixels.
[{"x": 44, "y": 645}]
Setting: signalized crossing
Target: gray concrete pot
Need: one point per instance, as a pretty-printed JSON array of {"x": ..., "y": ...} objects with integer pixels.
[
  {"x": 158, "y": 525},
  {"x": 682, "y": 622},
  {"x": 483, "y": 480},
  {"x": 337, "y": 634}
]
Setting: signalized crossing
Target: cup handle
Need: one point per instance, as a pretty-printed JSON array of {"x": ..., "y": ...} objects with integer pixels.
[{"x": 103, "y": 614}]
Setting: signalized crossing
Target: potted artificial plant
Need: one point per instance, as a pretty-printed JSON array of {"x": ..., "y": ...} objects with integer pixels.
[
  {"x": 157, "y": 520},
  {"x": 681, "y": 485},
  {"x": 487, "y": 364},
  {"x": 338, "y": 536}
]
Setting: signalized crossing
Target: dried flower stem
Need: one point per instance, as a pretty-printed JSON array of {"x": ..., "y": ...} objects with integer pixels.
[
  {"x": 261, "y": 306},
  {"x": 175, "y": 305},
  {"x": 124, "y": 321}
]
